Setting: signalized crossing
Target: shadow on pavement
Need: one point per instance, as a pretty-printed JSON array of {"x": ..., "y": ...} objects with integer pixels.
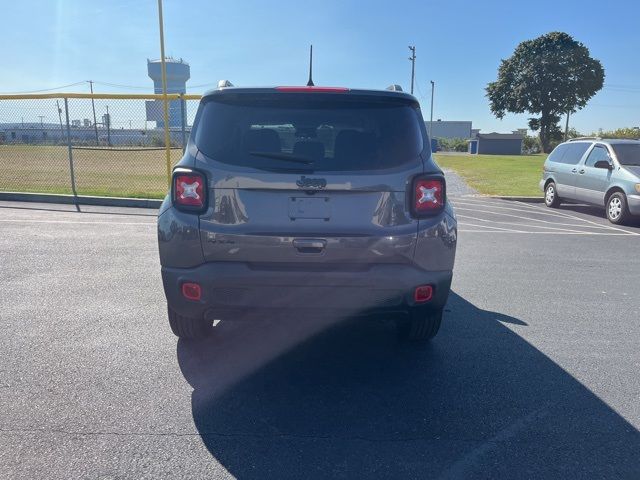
[
  {"x": 594, "y": 211},
  {"x": 350, "y": 402},
  {"x": 93, "y": 209}
]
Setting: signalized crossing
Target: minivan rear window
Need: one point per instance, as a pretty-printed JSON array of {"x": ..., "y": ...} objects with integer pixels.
[
  {"x": 569, "y": 153},
  {"x": 627, "y": 153},
  {"x": 309, "y": 131}
]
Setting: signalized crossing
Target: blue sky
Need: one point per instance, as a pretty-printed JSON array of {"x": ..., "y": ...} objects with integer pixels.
[{"x": 49, "y": 43}]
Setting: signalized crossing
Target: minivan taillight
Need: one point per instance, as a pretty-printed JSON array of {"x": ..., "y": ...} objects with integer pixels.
[
  {"x": 429, "y": 195},
  {"x": 189, "y": 190}
]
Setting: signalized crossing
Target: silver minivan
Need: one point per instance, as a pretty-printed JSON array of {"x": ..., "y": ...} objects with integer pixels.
[
  {"x": 595, "y": 171},
  {"x": 313, "y": 199}
]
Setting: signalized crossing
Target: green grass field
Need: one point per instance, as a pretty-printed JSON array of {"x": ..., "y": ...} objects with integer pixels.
[
  {"x": 45, "y": 169},
  {"x": 497, "y": 174},
  {"x": 142, "y": 174}
]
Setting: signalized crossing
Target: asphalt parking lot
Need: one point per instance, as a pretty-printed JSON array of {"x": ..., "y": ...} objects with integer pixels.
[{"x": 534, "y": 373}]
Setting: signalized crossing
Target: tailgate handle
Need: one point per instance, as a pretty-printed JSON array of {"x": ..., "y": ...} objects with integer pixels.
[{"x": 309, "y": 245}]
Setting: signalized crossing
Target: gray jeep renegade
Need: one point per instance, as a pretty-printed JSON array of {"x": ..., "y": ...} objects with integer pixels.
[{"x": 313, "y": 199}]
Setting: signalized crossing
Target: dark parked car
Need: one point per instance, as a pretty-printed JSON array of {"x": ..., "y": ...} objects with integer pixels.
[{"x": 307, "y": 198}]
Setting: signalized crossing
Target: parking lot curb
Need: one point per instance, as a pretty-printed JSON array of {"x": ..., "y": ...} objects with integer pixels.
[
  {"x": 519, "y": 199},
  {"x": 82, "y": 200}
]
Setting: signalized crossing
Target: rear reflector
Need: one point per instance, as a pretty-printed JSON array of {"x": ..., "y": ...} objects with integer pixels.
[
  {"x": 423, "y": 293},
  {"x": 429, "y": 195},
  {"x": 191, "y": 291},
  {"x": 189, "y": 190},
  {"x": 313, "y": 89}
]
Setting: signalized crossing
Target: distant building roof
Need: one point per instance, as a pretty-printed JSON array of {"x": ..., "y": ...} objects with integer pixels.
[
  {"x": 167, "y": 60},
  {"x": 500, "y": 136}
]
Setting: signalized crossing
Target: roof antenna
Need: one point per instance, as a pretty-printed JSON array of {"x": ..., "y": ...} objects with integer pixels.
[{"x": 310, "y": 82}]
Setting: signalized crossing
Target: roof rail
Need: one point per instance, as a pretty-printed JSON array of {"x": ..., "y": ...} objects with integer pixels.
[
  {"x": 395, "y": 88},
  {"x": 584, "y": 138}
]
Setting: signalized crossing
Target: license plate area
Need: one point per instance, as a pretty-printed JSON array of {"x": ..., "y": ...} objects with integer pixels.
[{"x": 310, "y": 208}]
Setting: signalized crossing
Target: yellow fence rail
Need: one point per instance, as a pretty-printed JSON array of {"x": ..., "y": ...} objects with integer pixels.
[
  {"x": 107, "y": 144},
  {"x": 100, "y": 96}
]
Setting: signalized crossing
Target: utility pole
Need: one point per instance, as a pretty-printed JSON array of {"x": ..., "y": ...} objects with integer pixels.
[
  {"x": 165, "y": 101},
  {"x": 60, "y": 117},
  {"x": 433, "y": 86},
  {"x": 108, "y": 122},
  {"x": 413, "y": 64},
  {"x": 93, "y": 106},
  {"x": 566, "y": 126}
]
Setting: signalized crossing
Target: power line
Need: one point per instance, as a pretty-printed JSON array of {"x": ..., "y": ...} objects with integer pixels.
[
  {"x": 203, "y": 85},
  {"x": 119, "y": 85},
  {"x": 45, "y": 89}
]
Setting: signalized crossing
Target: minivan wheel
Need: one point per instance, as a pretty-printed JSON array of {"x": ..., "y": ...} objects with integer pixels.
[
  {"x": 421, "y": 325},
  {"x": 187, "y": 327},
  {"x": 617, "y": 210},
  {"x": 551, "y": 198}
]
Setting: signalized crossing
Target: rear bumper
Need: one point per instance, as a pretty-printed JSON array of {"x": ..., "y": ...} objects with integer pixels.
[
  {"x": 633, "y": 201},
  {"x": 229, "y": 288}
]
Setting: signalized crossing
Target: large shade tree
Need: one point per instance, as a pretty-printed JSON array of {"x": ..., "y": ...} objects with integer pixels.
[{"x": 547, "y": 76}]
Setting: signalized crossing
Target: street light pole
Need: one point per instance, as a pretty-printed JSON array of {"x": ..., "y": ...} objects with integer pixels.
[
  {"x": 93, "y": 106},
  {"x": 413, "y": 64},
  {"x": 433, "y": 86}
]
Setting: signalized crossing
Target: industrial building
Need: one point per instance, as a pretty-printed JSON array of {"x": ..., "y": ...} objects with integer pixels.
[
  {"x": 449, "y": 129},
  {"x": 497, "y": 143},
  {"x": 55, "y": 134},
  {"x": 178, "y": 72}
]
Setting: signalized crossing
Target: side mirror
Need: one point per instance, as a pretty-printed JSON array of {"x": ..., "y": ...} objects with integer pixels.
[{"x": 603, "y": 164}]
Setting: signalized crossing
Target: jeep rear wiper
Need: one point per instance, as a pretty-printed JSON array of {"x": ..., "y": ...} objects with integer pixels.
[{"x": 282, "y": 156}]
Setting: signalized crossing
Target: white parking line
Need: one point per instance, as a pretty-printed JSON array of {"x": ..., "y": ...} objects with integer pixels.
[
  {"x": 498, "y": 214},
  {"x": 568, "y": 215},
  {"x": 463, "y": 230},
  {"x": 540, "y": 211},
  {"x": 525, "y": 208},
  {"x": 522, "y": 225},
  {"x": 521, "y": 217},
  {"x": 496, "y": 229}
]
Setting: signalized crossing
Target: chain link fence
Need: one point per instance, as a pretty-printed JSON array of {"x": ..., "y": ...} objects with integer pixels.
[{"x": 106, "y": 145}]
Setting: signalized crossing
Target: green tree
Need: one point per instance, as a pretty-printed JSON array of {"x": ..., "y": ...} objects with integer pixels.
[
  {"x": 530, "y": 145},
  {"x": 633, "y": 133},
  {"x": 454, "y": 144},
  {"x": 547, "y": 76}
]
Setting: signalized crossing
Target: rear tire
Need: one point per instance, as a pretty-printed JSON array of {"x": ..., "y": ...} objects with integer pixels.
[
  {"x": 186, "y": 327},
  {"x": 551, "y": 198},
  {"x": 617, "y": 209},
  {"x": 421, "y": 326}
]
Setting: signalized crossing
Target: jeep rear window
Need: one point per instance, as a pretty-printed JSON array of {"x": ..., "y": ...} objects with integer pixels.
[{"x": 327, "y": 133}]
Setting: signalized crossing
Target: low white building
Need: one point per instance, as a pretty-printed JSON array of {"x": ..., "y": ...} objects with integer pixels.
[{"x": 450, "y": 129}]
